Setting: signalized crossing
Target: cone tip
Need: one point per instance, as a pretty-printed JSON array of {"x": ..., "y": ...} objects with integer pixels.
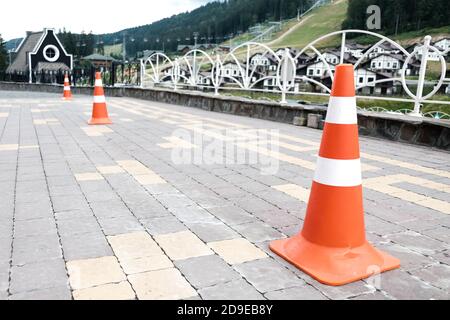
[{"x": 344, "y": 81}]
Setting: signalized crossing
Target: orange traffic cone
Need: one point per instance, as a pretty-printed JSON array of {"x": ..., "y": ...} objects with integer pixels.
[
  {"x": 332, "y": 247},
  {"x": 99, "y": 111},
  {"x": 67, "y": 95}
]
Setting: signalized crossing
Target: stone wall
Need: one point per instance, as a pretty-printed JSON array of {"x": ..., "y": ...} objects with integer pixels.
[{"x": 422, "y": 131}]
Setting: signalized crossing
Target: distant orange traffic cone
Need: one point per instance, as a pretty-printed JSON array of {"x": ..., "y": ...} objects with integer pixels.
[
  {"x": 332, "y": 247},
  {"x": 67, "y": 95},
  {"x": 99, "y": 111}
]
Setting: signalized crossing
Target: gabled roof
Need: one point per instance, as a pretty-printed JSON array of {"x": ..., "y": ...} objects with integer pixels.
[
  {"x": 20, "y": 63},
  {"x": 98, "y": 57}
]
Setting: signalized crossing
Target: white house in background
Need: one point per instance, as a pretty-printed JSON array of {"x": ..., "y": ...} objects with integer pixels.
[
  {"x": 443, "y": 44},
  {"x": 318, "y": 69},
  {"x": 204, "y": 78},
  {"x": 355, "y": 50},
  {"x": 231, "y": 69},
  {"x": 432, "y": 56},
  {"x": 388, "y": 63},
  {"x": 365, "y": 78},
  {"x": 263, "y": 61},
  {"x": 330, "y": 57},
  {"x": 384, "y": 48}
]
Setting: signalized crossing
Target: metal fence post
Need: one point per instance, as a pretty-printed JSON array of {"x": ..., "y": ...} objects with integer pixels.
[
  {"x": 284, "y": 76},
  {"x": 421, "y": 81}
]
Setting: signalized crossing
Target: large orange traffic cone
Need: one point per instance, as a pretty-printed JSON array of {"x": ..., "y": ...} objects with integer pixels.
[
  {"x": 99, "y": 111},
  {"x": 332, "y": 247},
  {"x": 67, "y": 95}
]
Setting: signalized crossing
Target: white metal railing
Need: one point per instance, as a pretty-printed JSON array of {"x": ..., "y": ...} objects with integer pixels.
[{"x": 255, "y": 67}]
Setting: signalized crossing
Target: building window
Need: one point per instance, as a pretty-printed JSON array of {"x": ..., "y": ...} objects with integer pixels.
[
  {"x": 310, "y": 72},
  {"x": 370, "y": 79},
  {"x": 394, "y": 65},
  {"x": 51, "y": 53},
  {"x": 361, "y": 79}
]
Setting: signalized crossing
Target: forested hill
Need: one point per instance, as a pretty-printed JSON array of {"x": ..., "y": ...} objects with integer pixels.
[
  {"x": 212, "y": 21},
  {"x": 398, "y": 16}
]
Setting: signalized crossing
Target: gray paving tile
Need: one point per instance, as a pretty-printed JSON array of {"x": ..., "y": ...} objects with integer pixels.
[
  {"x": 163, "y": 225},
  {"x": 212, "y": 231},
  {"x": 206, "y": 271},
  {"x": 305, "y": 292},
  {"x": 36, "y": 249},
  {"x": 85, "y": 246},
  {"x": 38, "y": 276},
  {"x": 231, "y": 215},
  {"x": 57, "y": 293},
  {"x": 234, "y": 290},
  {"x": 120, "y": 225},
  {"x": 267, "y": 275},
  {"x": 401, "y": 285},
  {"x": 258, "y": 232},
  {"x": 36, "y": 227}
]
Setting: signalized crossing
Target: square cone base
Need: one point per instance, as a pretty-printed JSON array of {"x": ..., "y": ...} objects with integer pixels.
[
  {"x": 334, "y": 266},
  {"x": 99, "y": 121}
]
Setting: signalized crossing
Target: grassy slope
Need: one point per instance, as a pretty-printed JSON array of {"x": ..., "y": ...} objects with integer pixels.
[{"x": 322, "y": 20}]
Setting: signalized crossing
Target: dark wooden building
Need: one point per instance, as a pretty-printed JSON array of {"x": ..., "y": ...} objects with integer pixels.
[{"x": 40, "y": 57}]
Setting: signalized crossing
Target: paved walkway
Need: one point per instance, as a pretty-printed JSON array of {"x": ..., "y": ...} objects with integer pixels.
[{"x": 145, "y": 209}]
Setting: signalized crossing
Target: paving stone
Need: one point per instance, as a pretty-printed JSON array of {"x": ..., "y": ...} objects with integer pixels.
[
  {"x": 111, "y": 291},
  {"x": 109, "y": 209},
  {"x": 31, "y": 211},
  {"x": 305, "y": 292},
  {"x": 206, "y": 271},
  {"x": 233, "y": 290},
  {"x": 134, "y": 245},
  {"x": 6, "y": 228},
  {"x": 400, "y": 285},
  {"x": 258, "y": 232},
  {"x": 209, "y": 232},
  {"x": 443, "y": 257},
  {"x": 58, "y": 293},
  {"x": 35, "y": 227},
  {"x": 38, "y": 276},
  {"x": 437, "y": 275},
  {"x": 73, "y": 214},
  {"x": 418, "y": 243},
  {"x": 232, "y": 215},
  {"x": 71, "y": 227},
  {"x": 192, "y": 214},
  {"x": 410, "y": 260},
  {"x": 85, "y": 246},
  {"x": 174, "y": 200},
  {"x": 166, "y": 284},
  {"x": 163, "y": 225},
  {"x": 278, "y": 218},
  {"x": 438, "y": 233},
  {"x": 94, "y": 272},
  {"x": 377, "y": 295},
  {"x": 237, "y": 251},
  {"x": 65, "y": 203},
  {"x": 182, "y": 245},
  {"x": 36, "y": 249},
  {"x": 267, "y": 275},
  {"x": 120, "y": 225}
]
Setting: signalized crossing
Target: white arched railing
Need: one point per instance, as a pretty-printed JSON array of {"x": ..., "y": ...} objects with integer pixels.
[{"x": 256, "y": 67}]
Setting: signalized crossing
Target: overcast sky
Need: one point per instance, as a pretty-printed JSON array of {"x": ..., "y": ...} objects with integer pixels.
[{"x": 98, "y": 16}]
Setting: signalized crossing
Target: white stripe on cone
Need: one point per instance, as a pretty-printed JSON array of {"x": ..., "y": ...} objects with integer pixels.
[
  {"x": 338, "y": 173},
  {"x": 99, "y": 99},
  {"x": 66, "y": 88},
  {"x": 98, "y": 83},
  {"x": 342, "y": 110}
]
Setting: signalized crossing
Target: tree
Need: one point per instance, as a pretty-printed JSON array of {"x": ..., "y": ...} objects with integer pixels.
[{"x": 3, "y": 56}]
